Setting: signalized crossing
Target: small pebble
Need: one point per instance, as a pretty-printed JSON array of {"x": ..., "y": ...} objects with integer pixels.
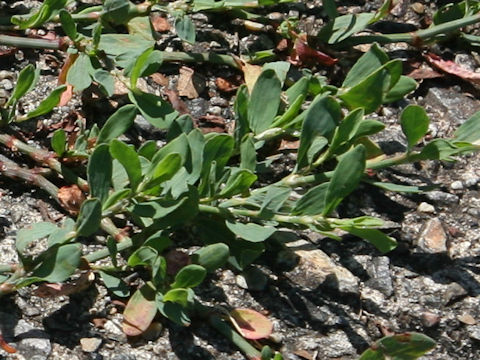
[
  {"x": 467, "y": 319},
  {"x": 456, "y": 185},
  {"x": 215, "y": 110},
  {"x": 426, "y": 208},
  {"x": 90, "y": 344},
  {"x": 6, "y": 84},
  {"x": 430, "y": 319},
  {"x": 419, "y": 8}
]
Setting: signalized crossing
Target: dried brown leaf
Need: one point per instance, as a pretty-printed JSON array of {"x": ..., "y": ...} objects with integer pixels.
[
  {"x": 65, "y": 289},
  {"x": 176, "y": 102},
  {"x": 189, "y": 83},
  {"x": 71, "y": 198},
  {"x": 453, "y": 68},
  {"x": 160, "y": 23}
]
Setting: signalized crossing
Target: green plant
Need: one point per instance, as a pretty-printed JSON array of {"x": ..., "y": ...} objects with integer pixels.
[{"x": 216, "y": 188}]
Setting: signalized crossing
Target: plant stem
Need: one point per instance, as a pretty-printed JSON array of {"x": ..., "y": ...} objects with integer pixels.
[
  {"x": 415, "y": 38},
  {"x": 222, "y": 327},
  {"x": 11, "y": 170},
  {"x": 23, "y": 42},
  {"x": 288, "y": 219},
  {"x": 209, "y": 57},
  {"x": 6, "y": 268},
  {"x": 45, "y": 158}
]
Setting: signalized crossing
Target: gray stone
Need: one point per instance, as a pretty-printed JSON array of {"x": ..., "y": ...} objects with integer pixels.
[
  {"x": 426, "y": 208},
  {"x": 145, "y": 128},
  {"x": 32, "y": 341},
  {"x": 442, "y": 198},
  {"x": 454, "y": 292},
  {"x": 433, "y": 238},
  {"x": 90, "y": 344},
  {"x": 252, "y": 279},
  {"x": 474, "y": 332},
  {"x": 338, "y": 345},
  {"x": 380, "y": 276},
  {"x": 316, "y": 268},
  {"x": 6, "y": 84},
  {"x": 456, "y": 185}
]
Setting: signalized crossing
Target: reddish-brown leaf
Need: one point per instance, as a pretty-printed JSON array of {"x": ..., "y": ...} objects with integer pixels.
[
  {"x": 159, "y": 23},
  {"x": 140, "y": 311},
  {"x": 4, "y": 345},
  {"x": 225, "y": 85},
  {"x": 212, "y": 123},
  {"x": 453, "y": 68},
  {"x": 160, "y": 79},
  {"x": 71, "y": 198},
  {"x": 307, "y": 55},
  {"x": 251, "y": 324},
  {"x": 176, "y": 102}
]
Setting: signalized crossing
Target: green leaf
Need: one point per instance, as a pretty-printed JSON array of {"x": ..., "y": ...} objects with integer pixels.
[
  {"x": 148, "y": 149},
  {"x": 119, "y": 122},
  {"x": 140, "y": 311},
  {"x": 405, "y": 85},
  {"x": 240, "y": 109},
  {"x": 79, "y": 73},
  {"x": 99, "y": 172},
  {"x": 59, "y": 141},
  {"x": 189, "y": 276},
  {"x": 185, "y": 28},
  {"x": 178, "y": 295},
  {"x": 43, "y": 14},
  {"x": 68, "y": 24},
  {"x": 377, "y": 238},
  {"x": 370, "y": 92},
  {"x": 406, "y": 346},
  {"x": 346, "y": 178},
  {"x": 124, "y": 49},
  {"x": 115, "y": 284},
  {"x": 63, "y": 234},
  {"x": 59, "y": 263},
  {"x": 88, "y": 220},
  {"x": 401, "y": 188},
  {"x": 342, "y": 27},
  {"x": 312, "y": 202},
  {"x": 368, "y": 63},
  {"x": 127, "y": 156},
  {"x": 346, "y": 129},
  {"x": 280, "y": 67},
  {"x": 238, "y": 182},
  {"x": 105, "y": 80},
  {"x": 146, "y": 64},
  {"x": 25, "y": 82},
  {"x": 321, "y": 119},
  {"x": 469, "y": 131},
  {"x": 218, "y": 148},
  {"x": 264, "y": 101},
  {"x": 47, "y": 104},
  {"x": 116, "y": 11},
  {"x": 154, "y": 109},
  {"x": 34, "y": 232},
  {"x": 248, "y": 154},
  {"x": 274, "y": 198},
  {"x": 143, "y": 256},
  {"x": 212, "y": 256},
  {"x": 173, "y": 311},
  {"x": 250, "y": 232},
  {"x": 194, "y": 164},
  {"x": 414, "y": 121},
  {"x": 162, "y": 171}
]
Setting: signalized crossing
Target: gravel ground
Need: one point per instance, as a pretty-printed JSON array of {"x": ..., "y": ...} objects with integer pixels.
[{"x": 341, "y": 296}]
